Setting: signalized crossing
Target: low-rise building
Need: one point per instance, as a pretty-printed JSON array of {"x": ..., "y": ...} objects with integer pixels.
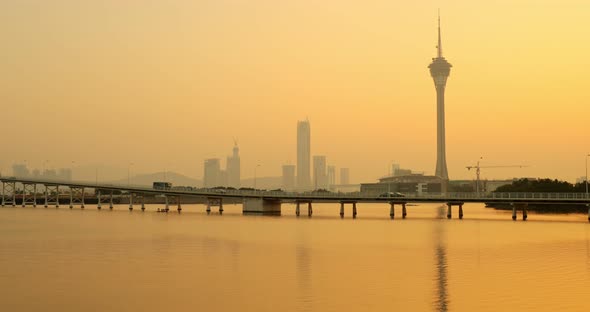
[{"x": 408, "y": 184}]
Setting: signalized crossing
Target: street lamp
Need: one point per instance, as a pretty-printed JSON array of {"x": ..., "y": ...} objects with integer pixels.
[
  {"x": 129, "y": 174},
  {"x": 255, "y": 176}
]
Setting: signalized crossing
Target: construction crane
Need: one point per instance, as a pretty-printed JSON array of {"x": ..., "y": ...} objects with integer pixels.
[{"x": 478, "y": 170}]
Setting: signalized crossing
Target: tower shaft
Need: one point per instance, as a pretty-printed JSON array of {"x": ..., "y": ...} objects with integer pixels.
[{"x": 440, "y": 70}]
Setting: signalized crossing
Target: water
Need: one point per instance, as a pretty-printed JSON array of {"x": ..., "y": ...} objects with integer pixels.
[{"x": 89, "y": 260}]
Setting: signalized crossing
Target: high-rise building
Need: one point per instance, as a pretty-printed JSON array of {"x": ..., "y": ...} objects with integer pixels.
[
  {"x": 344, "y": 176},
  {"x": 20, "y": 170},
  {"x": 440, "y": 70},
  {"x": 394, "y": 168},
  {"x": 303, "y": 155},
  {"x": 64, "y": 174},
  {"x": 331, "y": 176},
  {"x": 288, "y": 177},
  {"x": 320, "y": 177},
  {"x": 233, "y": 168},
  {"x": 212, "y": 174}
]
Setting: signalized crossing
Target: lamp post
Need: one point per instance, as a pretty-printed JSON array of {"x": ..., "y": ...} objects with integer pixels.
[
  {"x": 129, "y": 174},
  {"x": 72, "y": 163},
  {"x": 255, "y": 176}
]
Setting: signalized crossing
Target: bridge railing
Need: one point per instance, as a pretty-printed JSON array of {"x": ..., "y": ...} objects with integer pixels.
[{"x": 313, "y": 194}]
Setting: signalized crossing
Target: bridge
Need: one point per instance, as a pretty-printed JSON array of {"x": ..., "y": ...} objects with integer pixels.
[{"x": 31, "y": 192}]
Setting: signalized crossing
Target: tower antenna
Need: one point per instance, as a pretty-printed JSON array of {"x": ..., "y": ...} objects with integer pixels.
[{"x": 439, "y": 47}]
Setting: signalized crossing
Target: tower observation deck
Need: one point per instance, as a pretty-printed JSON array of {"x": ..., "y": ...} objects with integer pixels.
[{"x": 440, "y": 70}]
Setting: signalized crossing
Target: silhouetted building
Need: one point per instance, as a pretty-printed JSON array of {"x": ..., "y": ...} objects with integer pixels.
[
  {"x": 20, "y": 170},
  {"x": 211, "y": 176},
  {"x": 49, "y": 174},
  {"x": 233, "y": 168},
  {"x": 410, "y": 184},
  {"x": 64, "y": 174},
  {"x": 344, "y": 176},
  {"x": 440, "y": 70},
  {"x": 288, "y": 177},
  {"x": 320, "y": 177},
  {"x": 303, "y": 155},
  {"x": 331, "y": 176}
]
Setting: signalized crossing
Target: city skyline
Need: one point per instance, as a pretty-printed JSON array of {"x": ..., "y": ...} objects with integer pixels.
[{"x": 518, "y": 91}]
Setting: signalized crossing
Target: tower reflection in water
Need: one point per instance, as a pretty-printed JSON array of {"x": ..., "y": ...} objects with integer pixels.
[{"x": 441, "y": 299}]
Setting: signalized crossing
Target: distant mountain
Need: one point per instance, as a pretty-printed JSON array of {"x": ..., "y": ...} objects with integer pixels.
[{"x": 176, "y": 179}]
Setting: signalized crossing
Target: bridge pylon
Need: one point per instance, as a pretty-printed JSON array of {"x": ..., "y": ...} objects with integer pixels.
[{"x": 8, "y": 193}]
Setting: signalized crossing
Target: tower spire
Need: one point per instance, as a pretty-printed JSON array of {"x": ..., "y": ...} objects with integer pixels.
[{"x": 439, "y": 46}]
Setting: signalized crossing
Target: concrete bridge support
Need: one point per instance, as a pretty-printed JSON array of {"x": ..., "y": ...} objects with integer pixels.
[
  {"x": 588, "y": 205},
  {"x": 513, "y": 212},
  {"x": 8, "y": 193},
  {"x": 103, "y": 199},
  {"x": 51, "y": 195},
  {"x": 354, "y": 211},
  {"x": 309, "y": 209},
  {"x": 392, "y": 209},
  {"x": 523, "y": 206},
  {"x": 130, "y": 201},
  {"x": 98, "y": 200},
  {"x": 29, "y": 194},
  {"x": 450, "y": 210},
  {"x": 179, "y": 208},
  {"x": 264, "y": 206},
  {"x": 298, "y": 211},
  {"x": 76, "y": 196},
  {"x": 216, "y": 202}
]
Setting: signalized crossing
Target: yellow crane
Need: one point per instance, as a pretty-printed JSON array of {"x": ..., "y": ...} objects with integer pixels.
[{"x": 478, "y": 170}]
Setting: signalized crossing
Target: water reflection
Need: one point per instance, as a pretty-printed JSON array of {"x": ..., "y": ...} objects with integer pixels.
[{"x": 441, "y": 300}]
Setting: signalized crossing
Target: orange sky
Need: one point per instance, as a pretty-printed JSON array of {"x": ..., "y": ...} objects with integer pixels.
[{"x": 166, "y": 84}]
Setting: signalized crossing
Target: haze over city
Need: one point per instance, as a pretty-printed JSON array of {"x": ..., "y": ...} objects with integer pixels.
[{"x": 166, "y": 85}]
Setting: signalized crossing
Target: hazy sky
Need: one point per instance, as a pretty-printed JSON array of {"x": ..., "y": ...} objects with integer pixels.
[{"x": 166, "y": 84}]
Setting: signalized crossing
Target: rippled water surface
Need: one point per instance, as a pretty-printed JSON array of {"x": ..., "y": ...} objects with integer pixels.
[{"x": 89, "y": 260}]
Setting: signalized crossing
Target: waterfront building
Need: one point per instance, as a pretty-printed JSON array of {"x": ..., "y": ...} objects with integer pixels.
[
  {"x": 212, "y": 174},
  {"x": 233, "y": 168},
  {"x": 344, "y": 176},
  {"x": 288, "y": 181},
  {"x": 303, "y": 155},
  {"x": 20, "y": 170},
  {"x": 414, "y": 184},
  {"x": 331, "y": 176},
  {"x": 320, "y": 177}
]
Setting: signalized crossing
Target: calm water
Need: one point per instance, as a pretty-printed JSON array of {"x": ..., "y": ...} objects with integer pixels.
[{"x": 89, "y": 260}]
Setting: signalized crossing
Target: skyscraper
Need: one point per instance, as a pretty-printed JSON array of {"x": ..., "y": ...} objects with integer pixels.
[
  {"x": 303, "y": 155},
  {"x": 331, "y": 176},
  {"x": 344, "y": 176},
  {"x": 233, "y": 168},
  {"x": 288, "y": 177},
  {"x": 212, "y": 174},
  {"x": 320, "y": 177},
  {"x": 440, "y": 70}
]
